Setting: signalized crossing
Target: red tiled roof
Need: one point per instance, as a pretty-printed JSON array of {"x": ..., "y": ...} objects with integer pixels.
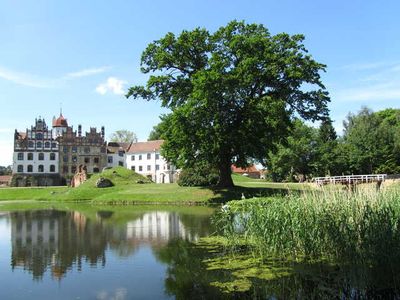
[
  {"x": 250, "y": 169},
  {"x": 146, "y": 146},
  {"x": 60, "y": 122}
]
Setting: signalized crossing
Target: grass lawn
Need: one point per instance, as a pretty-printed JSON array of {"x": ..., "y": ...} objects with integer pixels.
[{"x": 126, "y": 190}]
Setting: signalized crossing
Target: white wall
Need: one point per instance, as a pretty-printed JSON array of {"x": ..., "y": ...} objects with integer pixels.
[
  {"x": 162, "y": 174},
  {"x": 35, "y": 163},
  {"x": 116, "y": 158}
]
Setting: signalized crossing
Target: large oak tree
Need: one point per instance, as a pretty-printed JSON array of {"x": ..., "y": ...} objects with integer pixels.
[{"x": 232, "y": 93}]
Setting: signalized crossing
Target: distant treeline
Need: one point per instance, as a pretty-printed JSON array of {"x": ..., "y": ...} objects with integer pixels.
[
  {"x": 370, "y": 144},
  {"x": 5, "y": 170}
]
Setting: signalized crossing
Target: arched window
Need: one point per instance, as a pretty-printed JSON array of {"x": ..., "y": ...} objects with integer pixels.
[
  {"x": 47, "y": 145},
  {"x": 52, "y": 156},
  {"x": 30, "y": 156},
  {"x": 30, "y": 168},
  {"x": 20, "y": 156},
  {"x": 31, "y": 144},
  {"x": 39, "y": 145},
  {"x": 20, "y": 168},
  {"x": 52, "y": 168},
  {"x": 39, "y": 136},
  {"x": 41, "y": 156},
  {"x": 41, "y": 169},
  {"x": 53, "y": 145}
]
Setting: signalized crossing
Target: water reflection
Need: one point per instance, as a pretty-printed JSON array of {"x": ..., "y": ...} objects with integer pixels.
[{"x": 58, "y": 241}]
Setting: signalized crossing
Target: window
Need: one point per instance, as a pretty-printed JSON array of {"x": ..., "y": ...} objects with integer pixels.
[
  {"x": 157, "y": 167},
  {"x": 140, "y": 168},
  {"x": 39, "y": 136},
  {"x": 65, "y": 158},
  {"x": 47, "y": 145},
  {"x": 87, "y": 150},
  {"x": 52, "y": 168},
  {"x": 30, "y": 168},
  {"x": 148, "y": 155},
  {"x": 30, "y": 156},
  {"x": 121, "y": 153},
  {"x": 52, "y": 156},
  {"x": 96, "y": 170},
  {"x": 74, "y": 149},
  {"x": 133, "y": 157},
  {"x": 73, "y": 169},
  {"x": 39, "y": 145},
  {"x": 110, "y": 159},
  {"x": 65, "y": 149},
  {"x": 133, "y": 168},
  {"x": 140, "y": 156},
  {"x": 53, "y": 145},
  {"x": 96, "y": 160},
  {"x": 41, "y": 169},
  {"x": 20, "y": 156},
  {"x": 74, "y": 158},
  {"x": 157, "y": 156},
  {"x": 121, "y": 163},
  {"x": 65, "y": 169},
  {"x": 31, "y": 144},
  {"x": 148, "y": 168},
  {"x": 41, "y": 156},
  {"x": 87, "y": 160}
]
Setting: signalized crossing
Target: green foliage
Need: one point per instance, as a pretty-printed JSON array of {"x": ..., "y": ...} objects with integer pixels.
[
  {"x": 156, "y": 133},
  {"x": 123, "y": 136},
  {"x": 200, "y": 175},
  {"x": 231, "y": 93},
  {"x": 295, "y": 156},
  {"x": 5, "y": 170},
  {"x": 337, "y": 225},
  {"x": 372, "y": 141}
]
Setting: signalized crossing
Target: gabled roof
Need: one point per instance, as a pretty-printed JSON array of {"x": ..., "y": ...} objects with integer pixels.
[
  {"x": 148, "y": 146},
  {"x": 249, "y": 169}
]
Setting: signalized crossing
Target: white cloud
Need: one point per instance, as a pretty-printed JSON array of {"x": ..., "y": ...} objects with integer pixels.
[
  {"x": 87, "y": 72},
  {"x": 26, "y": 79},
  {"x": 112, "y": 85},
  {"x": 32, "y": 80}
]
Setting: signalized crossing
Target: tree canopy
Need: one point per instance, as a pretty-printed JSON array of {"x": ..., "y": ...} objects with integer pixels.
[
  {"x": 232, "y": 93},
  {"x": 123, "y": 136},
  {"x": 156, "y": 132}
]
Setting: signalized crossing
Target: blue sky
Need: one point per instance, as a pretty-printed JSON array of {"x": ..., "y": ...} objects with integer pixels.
[{"x": 84, "y": 54}]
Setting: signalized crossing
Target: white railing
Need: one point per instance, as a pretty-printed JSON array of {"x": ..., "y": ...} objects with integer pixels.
[{"x": 350, "y": 179}]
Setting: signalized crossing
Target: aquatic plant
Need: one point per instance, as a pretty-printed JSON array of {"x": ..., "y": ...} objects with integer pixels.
[{"x": 361, "y": 225}]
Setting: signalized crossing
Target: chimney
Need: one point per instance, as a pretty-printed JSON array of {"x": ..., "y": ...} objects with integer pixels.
[
  {"x": 102, "y": 132},
  {"x": 79, "y": 130}
]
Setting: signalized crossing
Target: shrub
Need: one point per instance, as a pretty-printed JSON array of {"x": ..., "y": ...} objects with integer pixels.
[{"x": 200, "y": 175}]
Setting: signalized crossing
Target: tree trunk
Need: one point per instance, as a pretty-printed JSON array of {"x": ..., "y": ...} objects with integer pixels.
[{"x": 225, "y": 178}]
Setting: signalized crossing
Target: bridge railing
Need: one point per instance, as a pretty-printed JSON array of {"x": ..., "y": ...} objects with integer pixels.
[{"x": 350, "y": 179}]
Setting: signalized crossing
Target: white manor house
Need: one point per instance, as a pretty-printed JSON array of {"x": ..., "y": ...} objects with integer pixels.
[{"x": 51, "y": 156}]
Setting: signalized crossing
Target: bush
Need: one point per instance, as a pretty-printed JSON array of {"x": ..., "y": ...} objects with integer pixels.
[{"x": 202, "y": 175}]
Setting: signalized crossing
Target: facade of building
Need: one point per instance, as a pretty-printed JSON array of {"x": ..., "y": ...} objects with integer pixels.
[
  {"x": 116, "y": 154},
  {"x": 145, "y": 159},
  {"x": 52, "y": 156},
  {"x": 44, "y": 156},
  {"x": 35, "y": 157}
]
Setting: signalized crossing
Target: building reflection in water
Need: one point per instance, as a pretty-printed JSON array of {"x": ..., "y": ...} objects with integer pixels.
[{"x": 58, "y": 241}]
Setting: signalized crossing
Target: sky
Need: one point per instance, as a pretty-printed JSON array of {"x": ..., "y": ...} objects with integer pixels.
[{"x": 83, "y": 55}]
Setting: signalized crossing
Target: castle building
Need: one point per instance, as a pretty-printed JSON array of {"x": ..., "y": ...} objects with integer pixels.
[
  {"x": 51, "y": 156},
  {"x": 35, "y": 157},
  {"x": 44, "y": 156}
]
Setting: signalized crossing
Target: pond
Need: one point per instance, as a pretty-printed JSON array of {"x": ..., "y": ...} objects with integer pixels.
[{"x": 135, "y": 252}]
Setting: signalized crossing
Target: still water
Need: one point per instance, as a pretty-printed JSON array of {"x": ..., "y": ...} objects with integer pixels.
[
  {"x": 126, "y": 254},
  {"x": 155, "y": 253}
]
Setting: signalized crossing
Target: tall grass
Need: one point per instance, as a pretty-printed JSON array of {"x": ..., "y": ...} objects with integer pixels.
[{"x": 332, "y": 224}]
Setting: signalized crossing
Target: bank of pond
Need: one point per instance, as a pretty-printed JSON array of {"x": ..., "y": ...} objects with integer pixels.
[{"x": 327, "y": 243}]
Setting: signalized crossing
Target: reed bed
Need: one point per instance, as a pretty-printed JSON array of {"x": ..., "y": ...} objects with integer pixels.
[{"x": 361, "y": 225}]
